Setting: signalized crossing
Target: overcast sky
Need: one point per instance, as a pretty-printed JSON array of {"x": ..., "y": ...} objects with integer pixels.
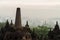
[
  {"x": 40, "y": 9},
  {"x": 32, "y": 8}
]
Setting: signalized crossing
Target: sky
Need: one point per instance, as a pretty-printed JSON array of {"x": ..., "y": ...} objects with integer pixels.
[{"x": 30, "y": 9}]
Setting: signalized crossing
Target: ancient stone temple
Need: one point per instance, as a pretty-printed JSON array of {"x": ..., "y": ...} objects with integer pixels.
[
  {"x": 18, "y": 19},
  {"x": 55, "y": 33},
  {"x": 16, "y": 31},
  {"x": 56, "y": 27},
  {"x": 27, "y": 24}
]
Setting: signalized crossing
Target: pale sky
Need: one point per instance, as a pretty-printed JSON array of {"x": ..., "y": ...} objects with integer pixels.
[{"x": 30, "y": 9}]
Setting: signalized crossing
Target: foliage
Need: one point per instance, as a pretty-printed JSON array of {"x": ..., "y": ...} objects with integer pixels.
[
  {"x": 2, "y": 24},
  {"x": 41, "y": 31}
]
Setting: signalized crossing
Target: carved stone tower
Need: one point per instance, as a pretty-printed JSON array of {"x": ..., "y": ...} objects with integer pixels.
[
  {"x": 27, "y": 24},
  {"x": 11, "y": 23},
  {"x": 56, "y": 26},
  {"x": 18, "y": 19}
]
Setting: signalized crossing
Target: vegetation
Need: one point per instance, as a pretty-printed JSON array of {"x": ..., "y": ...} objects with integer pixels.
[
  {"x": 2, "y": 24},
  {"x": 41, "y": 31}
]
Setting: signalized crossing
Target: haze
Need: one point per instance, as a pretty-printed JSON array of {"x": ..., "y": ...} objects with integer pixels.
[{"x": 30, "y": 9}]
